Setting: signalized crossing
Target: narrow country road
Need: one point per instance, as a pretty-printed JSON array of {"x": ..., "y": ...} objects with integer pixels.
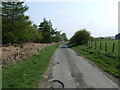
[{"x": 76, "y": 72}]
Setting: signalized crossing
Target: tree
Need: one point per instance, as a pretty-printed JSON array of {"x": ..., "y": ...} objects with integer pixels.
[
  {"x": 63, "y": 37},
  {"x": 14, "y": 23},
  {"x": 81, "y": 37},
  {"x": 56, "y": 37},
  {"x": 46, "y": 29},
  {"x": 49, "y": 34},
  {"x": 36, "y": 36},
  {"x": 117, "y": 36}
]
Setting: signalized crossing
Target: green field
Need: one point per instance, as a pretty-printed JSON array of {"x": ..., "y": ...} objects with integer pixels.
[
  {"x": 109, "y": 46},
  {"x": 28, "y": 73},
  {"x": 107, "y": 60}
]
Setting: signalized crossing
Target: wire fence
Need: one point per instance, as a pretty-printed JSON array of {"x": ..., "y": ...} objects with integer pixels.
[{"x": 107, "y": 46}]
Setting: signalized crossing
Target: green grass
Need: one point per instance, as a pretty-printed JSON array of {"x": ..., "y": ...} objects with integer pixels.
[
  {"x": 107, "y": 61},
  {"x": 109, "y": 46},
  {"x": 28, "y": 73}
]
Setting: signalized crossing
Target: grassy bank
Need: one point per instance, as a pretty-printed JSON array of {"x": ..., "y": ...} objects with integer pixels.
[
  {"x": 28, "y": 73},
  {"x": 106, "y": 46},
  {"x": 106, "y": 61}
]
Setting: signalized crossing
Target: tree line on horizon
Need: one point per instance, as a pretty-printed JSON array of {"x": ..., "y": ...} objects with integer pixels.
[
  {"x": 17, "y": 28},
  {"x": 82, "y": 36}
]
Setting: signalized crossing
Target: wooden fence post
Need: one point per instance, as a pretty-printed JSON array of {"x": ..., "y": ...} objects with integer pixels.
[
  {"x": 105, "y": 46},
  {"x": 95, "y": 44},
  {"x": 100, "y": 45},
  {"x": 113, "y": 49},
  {"x": 91, "y": 43}
]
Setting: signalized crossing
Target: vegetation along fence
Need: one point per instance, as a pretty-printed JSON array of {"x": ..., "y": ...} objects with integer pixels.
[{"x": 110, "y": 46}]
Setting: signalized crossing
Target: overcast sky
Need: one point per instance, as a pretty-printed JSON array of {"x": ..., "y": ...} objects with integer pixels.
[{"x": 100, "y": 17}]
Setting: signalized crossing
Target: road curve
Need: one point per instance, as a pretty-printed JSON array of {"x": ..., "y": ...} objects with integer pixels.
[{"x": 76, "y": 72}]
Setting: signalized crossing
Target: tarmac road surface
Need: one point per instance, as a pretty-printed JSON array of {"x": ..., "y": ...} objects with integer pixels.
[{"x": 77, "y": 72}]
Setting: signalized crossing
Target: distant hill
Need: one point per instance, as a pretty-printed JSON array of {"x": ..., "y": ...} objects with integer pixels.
[{"x": 112, "y": 37}]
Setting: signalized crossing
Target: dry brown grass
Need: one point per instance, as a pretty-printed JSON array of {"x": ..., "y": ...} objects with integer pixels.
[{"x": 12, "y": 53}]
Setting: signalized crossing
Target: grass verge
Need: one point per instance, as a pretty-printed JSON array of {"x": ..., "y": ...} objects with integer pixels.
[
  {"x": 28, "y": 73},
  {"x": 106, "y": 61}
]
